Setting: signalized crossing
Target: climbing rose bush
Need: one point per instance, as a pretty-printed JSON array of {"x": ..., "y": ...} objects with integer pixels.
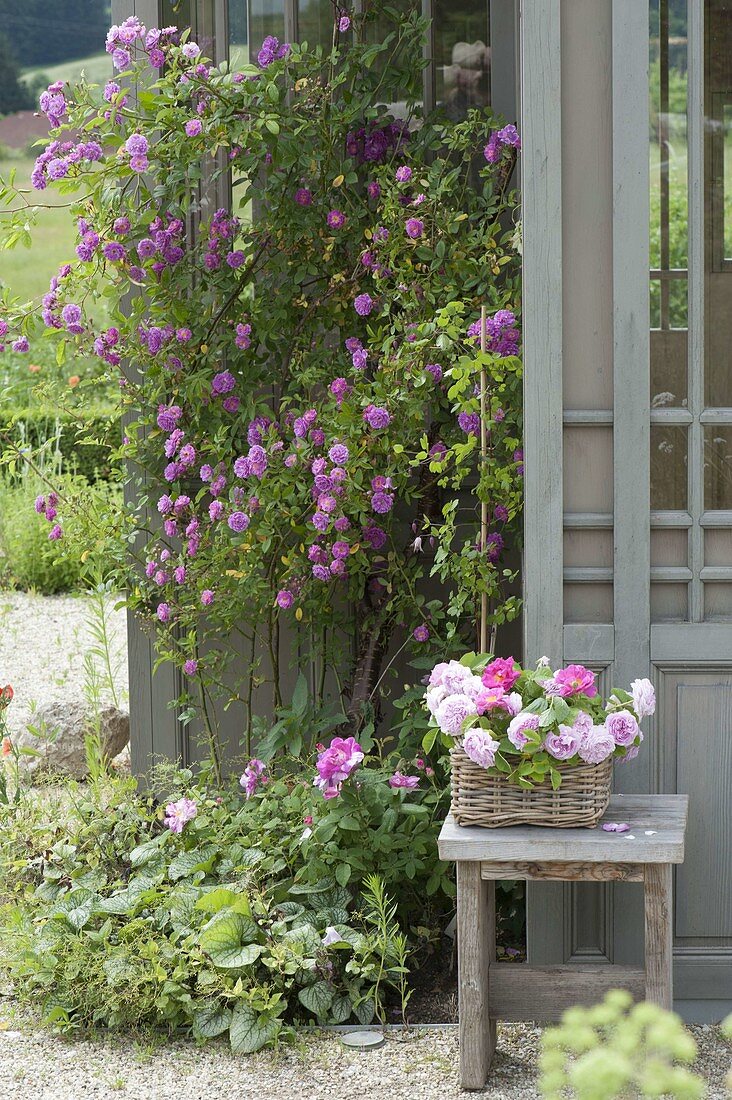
[{"x": 293, "y": 279}]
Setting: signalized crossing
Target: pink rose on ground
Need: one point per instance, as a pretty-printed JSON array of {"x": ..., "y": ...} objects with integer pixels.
[
  {"x": 335, "y": 764},
  {"x": 563, "y": 744},
  {"x": 407, "y": 781},
  {"x": 644, "y": 697},
  {"x": 518, "y": 725},
  {"x": 596, "y": 745},
  {"x": 500, "y": 673},
  {"x": 574, "y": 680},
  {"x": 177, "y": 814},
  {"x": 622, "y": 727},
  {"x": 480, "y": 747},
  {"x": 452, "y": 712}
]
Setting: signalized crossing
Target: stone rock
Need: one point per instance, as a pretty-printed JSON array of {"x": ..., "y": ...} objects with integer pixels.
[{"x": 62, "y": 728}]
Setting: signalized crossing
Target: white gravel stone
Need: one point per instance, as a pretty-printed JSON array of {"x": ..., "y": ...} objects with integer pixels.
[
  {"x": 36, "y": 1064},
  {"x": 42, "y": 645}
]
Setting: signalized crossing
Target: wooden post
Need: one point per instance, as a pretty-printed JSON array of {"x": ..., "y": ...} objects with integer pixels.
[
  {"x": 476, "y": 940},
  {"x": 483, "y": 639},
  {"x": 659, "y": 933}
]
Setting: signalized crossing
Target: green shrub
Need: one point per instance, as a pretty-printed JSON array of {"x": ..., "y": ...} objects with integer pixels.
[
  {"x": 618, "y": 1049},
  {"x": 28, "y": 559},
  {"x": 84, "y": 443},
  {"x": 114, "y": 920}
]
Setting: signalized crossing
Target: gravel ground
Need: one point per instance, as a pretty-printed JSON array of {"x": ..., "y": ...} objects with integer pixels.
[
  {"x": 37, "y": 1065},
  {"x": 42, "y": 644}
]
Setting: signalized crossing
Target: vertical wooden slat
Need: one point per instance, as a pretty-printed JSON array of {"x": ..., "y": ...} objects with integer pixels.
[
  {"x": 659, "y": 933},
  {"x": 695, "y": 163},
  {"x": 476, "y": 932},
  {"x": 428, "y": 53},
  {"x": 504, "y": 61},
  {"x": 541, "y": 174},
  {"x": 631, "y": 353},
  {"x": 541, "y": 126}
]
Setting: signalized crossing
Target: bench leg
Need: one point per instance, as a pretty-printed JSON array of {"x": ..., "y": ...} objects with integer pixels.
[
  {"x": 659, "y": 933},
  {"x": 476, "y": 939}
]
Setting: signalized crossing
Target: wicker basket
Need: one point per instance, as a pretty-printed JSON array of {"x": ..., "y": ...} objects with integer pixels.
[{"x": 491, "y": 801}]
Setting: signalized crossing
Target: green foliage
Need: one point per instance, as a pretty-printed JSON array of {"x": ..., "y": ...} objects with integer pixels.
[
  {"x": 28, "y": 560},
  {"x": 616, "y": 1050},
  {"x": 83, "y": 441},
  {"x": 14, "y": 95},
  {"x": 113, "y": 920}
]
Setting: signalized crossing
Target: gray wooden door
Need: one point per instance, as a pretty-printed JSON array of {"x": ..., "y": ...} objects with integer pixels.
[{"x": 628, "y": 559}]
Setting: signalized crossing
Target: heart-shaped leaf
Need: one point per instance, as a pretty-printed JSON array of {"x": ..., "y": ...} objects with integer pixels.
[{"x": 250, "y": 1031}]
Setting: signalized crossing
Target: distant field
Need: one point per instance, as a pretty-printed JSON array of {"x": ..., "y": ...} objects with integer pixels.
[
  {"x": 27, "y": 271},
  {"x": 97, "y": 68}
]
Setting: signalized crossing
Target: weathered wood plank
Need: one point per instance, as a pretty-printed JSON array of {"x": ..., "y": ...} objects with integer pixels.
[
  {"x": 566, "y": 871},
  {"x": 522, "y": 992},
  {"x": 475, "y": 942},
  {"x": 663, "y": 816},
  {"x": 659, "y": 934}
]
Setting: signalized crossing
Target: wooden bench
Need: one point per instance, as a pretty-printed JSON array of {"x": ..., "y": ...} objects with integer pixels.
[{"x": 490, "y": 991}]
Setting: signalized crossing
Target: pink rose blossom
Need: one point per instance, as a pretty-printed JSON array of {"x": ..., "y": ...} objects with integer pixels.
[
  {"x": 596, "y": 745},
  {"x": 563, "y": 744},
  {"x": 644, "y": 697},
  {"x": 500, "y": 673},
  {"x": 518, "y": 725},
  {"x": 335, "y": 764},
  {"x": 574, "y": 680},
  {"x": 407, "y": 781},
  {"x": 622, "y": 727},
  {"x": 480, "y": 747},
  {"x": 178, "y": 814}
]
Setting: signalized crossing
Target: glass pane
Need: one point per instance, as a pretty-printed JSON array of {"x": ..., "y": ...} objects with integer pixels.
[
  {"x": 669, "y": 359},
  {"x": 588, "y": 603},
  {"x": 668, "y": 203},
  {"x": 717, "y": 467},
  {"x": 315, "y": 22},
  {"x": 668, "y": 468},
  {"x": 669, "y": 602},
  {"x": 718, "y": 546},
  {"x": 583, "y": 547},
  {"x": 717, "y": 601},
  {"x": 669, "y": 546},
  {"x": 239, "y": 34},
  {"x": 402, "y": 72},
  {"x": 462, "y": 56},
  {"x": 718, "y": 204},
  {"x": 265, "y": 17}
]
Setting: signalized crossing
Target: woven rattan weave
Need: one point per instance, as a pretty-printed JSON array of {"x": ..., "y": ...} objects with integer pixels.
[{"x": 491, "y": 801}]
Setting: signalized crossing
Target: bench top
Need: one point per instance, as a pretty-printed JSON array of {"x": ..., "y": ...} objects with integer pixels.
[{"x": 657, "y": 825}]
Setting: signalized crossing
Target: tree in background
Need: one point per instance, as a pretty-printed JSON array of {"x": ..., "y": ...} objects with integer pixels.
[
  {"x": 44, "y": 34},
  {"x": 14, "y": 96}
]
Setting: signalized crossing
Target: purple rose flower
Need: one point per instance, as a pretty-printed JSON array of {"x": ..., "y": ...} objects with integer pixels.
[
  {"x": 403, "y": 174},
  {"x": 376, "y": 417},
  {"x": 207, "y": 597},
  {"x": 193, "y": 127},
  {"x": 285, "y": 599},
  {"x": 597, "y": 744},
  {"x": 190, "y": 667},
  {"x": 303, "y": 196},
  {"x": 335, "y": 219},
  {"x": 407, "y": 782},
  {"x": 363, "y": 305},
  {"x": 479, "y": 746},
  {"x": 414, "y": 228},
  {"x": 223, "y": 382},
  {"x": 469, "y": 422},
  {"x": 421, "y": 633},
  {"x": 518, "y": 725},
  {"x": 562, "y": 744},
  {"x": 622, "y": 727},
  {"x": 163, "y": 612},
  {"x": 178, "y": 814},
  {"x": 253, "y": 775},
  {"x": 238, "y": 521}
]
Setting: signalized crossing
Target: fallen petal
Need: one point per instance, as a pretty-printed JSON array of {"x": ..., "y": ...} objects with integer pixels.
[
  {"x": 650, "y": 832},
  {"x": 629, "y": 837},
  {"x": 610, "y": 827}
]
